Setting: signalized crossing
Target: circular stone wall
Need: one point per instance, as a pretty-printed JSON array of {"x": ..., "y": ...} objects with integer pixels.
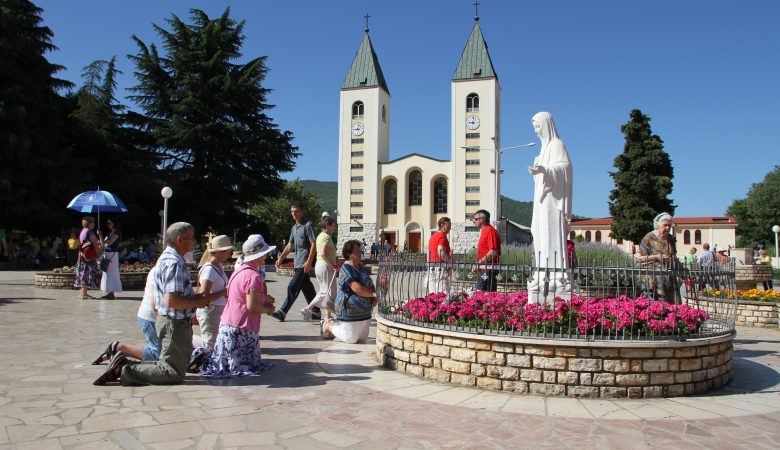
[
  {"x": 574, "y": 368},
  {"x": 131, "y": 281}
]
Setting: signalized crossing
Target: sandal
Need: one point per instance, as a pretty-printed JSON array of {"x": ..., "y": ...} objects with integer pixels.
[
  {"x": 113, "y": 371},
  {"x": 327, "y": 335},
  {"x": 110, "y": 351},
  {"x": 196, "y": 362}
]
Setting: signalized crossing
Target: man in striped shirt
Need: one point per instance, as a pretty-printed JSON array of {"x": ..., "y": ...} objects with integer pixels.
[{"x": 176, "y": 302}]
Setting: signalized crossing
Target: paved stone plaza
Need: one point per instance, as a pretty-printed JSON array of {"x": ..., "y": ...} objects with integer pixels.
[{"x": 326, "y": 395}]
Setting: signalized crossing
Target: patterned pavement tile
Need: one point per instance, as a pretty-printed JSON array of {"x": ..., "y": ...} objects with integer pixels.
[{"x": 327, "y": 395}]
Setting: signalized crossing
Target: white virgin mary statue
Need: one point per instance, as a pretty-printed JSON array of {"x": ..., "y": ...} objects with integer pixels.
[{"x": 552, "y": 172}]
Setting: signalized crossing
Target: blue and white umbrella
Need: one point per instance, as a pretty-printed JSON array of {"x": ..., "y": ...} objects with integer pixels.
[{"x": 97, "y": 202}]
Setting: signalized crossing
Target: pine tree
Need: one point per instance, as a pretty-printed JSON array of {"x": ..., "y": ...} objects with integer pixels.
[
  {"x": 643, "y": 180},
  {"x": 106, "y": 147},
  {"x": 34, "y": 179},
  {"x": 207, "y": 120}
]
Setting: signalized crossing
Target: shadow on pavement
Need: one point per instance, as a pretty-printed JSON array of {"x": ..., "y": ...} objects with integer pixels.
[
  {"x": 281, "y": 351},
  {"x": 286, "y": 374}
]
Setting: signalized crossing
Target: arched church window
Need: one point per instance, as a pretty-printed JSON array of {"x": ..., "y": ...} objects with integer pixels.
[
  {"x": 391, "y": 196},
  {"x": 472, "y": 103},
  {"x": 357, "y": 110},
  {"x": 440, "y": 196},
  {"x": 697, "y": 237},
  {"x": 587, "y": 236},
  {"x": 415, "y": 188},
  {"x": 572, "y": 235},
  {"x": 598, "y": 236},
  {"x": 687, "y": 237}
]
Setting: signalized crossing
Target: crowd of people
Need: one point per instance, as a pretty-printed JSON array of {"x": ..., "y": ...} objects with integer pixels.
[{"x": 229, "y": 310}]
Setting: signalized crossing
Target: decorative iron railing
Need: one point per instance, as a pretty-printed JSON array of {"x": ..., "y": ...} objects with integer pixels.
[{"x": 611, "y": 299}]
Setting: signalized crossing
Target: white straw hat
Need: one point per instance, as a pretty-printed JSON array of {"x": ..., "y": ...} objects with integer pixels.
[{"x": 256, "y": 247}]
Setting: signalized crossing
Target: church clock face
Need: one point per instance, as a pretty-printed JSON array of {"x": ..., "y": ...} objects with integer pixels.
[
  {"x": 472, "y": 122},
  {"x": 357, "y": 129}
]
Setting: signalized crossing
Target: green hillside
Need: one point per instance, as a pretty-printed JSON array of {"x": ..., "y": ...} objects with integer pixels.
[
  {"x": 327, "y": 195},
  {"x": 325, "y": 191},
  {"x": 517, "y": 211}
]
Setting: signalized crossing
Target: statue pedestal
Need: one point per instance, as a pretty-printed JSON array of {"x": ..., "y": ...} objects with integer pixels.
[{"x": 543, "y": 290}]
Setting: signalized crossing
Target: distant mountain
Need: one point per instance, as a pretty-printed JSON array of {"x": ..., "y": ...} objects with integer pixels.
[
  {"x": 517, "y": 211},
  {"x": 327, "y": 194}
]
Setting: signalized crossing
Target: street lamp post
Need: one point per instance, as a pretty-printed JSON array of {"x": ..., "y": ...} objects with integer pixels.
[
  {"x": 776, "y": 230},
  {"x": 162, "y": 226},
  {"x": 498, "y": 152},
  {"x": 166, "y": 193}
]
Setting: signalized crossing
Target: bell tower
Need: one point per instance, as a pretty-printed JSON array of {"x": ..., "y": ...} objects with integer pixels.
[
  {"x": 364, "y": 142},
  {"x": 475, "y": 129}
]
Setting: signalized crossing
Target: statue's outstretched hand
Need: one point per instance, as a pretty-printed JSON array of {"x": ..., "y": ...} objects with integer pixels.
[{"x": 535, "y": 170}]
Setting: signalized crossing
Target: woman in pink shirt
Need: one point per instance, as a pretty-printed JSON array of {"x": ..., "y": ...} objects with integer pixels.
[{"x": 237, "y": 350}]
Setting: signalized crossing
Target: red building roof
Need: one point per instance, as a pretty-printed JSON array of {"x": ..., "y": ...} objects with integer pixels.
[{"x": 716, "y": 220}]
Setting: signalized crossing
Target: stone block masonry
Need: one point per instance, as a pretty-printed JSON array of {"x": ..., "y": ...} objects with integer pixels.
[
  {"x": 606, "y": 369},
  {"x": 749, "y": 313}
]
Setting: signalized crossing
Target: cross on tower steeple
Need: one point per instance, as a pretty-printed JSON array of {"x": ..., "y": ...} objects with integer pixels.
[
  {"x": 366, "y": 17},
  {"x": 476, "y": 10}
]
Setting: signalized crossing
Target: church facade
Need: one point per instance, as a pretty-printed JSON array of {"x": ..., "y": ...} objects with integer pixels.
[{"x": 401, "y": 200}]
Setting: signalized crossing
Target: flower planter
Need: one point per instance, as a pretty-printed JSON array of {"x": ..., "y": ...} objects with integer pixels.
[
  {"x": 289, "y": 272},
  {"x": 131, "y": 281},
  {"x": 557, "y": 367},
  {"x": 760, "y": 314}
]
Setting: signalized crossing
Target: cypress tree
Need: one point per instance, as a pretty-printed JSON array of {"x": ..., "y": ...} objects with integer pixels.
[{"x": 643, "y": 180}]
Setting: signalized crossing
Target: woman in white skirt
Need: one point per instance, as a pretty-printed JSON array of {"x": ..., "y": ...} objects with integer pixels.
[
  {"x": 355, "y": 299},
  {"x": 325, "y": 270},
  {"x": 110, "y": 283}
]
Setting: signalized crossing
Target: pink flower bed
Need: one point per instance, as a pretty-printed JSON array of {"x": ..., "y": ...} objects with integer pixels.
[{"x": 580, "y": 315}]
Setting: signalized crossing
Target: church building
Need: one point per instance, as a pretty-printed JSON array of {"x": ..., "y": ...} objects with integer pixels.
[{"x": 401, "y": 200}]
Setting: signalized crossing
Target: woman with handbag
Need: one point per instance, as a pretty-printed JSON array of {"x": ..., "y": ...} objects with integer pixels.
[
  {"x": 355, "y": 299},
  {"x": 109, "y": 263},
  {"x": 91, "y": 249}
]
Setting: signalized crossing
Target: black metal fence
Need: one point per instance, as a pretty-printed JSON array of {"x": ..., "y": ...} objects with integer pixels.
[{"x": 596, "y": 299}]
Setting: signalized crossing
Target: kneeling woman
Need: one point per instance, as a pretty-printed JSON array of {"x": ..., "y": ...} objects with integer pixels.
[
  {"x": 237, "y": 350},
  {"x": 355, "y": 299}
]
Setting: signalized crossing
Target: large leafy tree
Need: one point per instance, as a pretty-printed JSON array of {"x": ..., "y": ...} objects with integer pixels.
[
  {"x": 758, "y": 211},
  {"x": 643, "y": 180},
  {"x": 206, "y": 116},
  {"x": 106, "y": 149},
  {"x": 36, "y": 174},
  {"x": 273, "y": 212}
]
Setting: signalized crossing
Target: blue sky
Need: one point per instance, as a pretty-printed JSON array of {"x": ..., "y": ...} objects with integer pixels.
[{"x": 705, "y": 71}]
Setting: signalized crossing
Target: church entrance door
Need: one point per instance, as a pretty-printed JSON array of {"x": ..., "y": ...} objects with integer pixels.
[
  {"x": 390, "y": 237},
  {"x": 414, "y": 241}
]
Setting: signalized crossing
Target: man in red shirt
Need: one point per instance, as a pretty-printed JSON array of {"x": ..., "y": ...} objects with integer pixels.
[
  {"x": 488, "y": 251},
  {"x": 439, "y": 253}
]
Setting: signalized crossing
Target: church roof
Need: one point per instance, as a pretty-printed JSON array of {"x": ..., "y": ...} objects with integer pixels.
[
  {"x": 475, "y": 62},
  {"x": 365, "y": 70},
  {"x": 418, "y": 155},
  {"x": 713, "y": 220}
]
